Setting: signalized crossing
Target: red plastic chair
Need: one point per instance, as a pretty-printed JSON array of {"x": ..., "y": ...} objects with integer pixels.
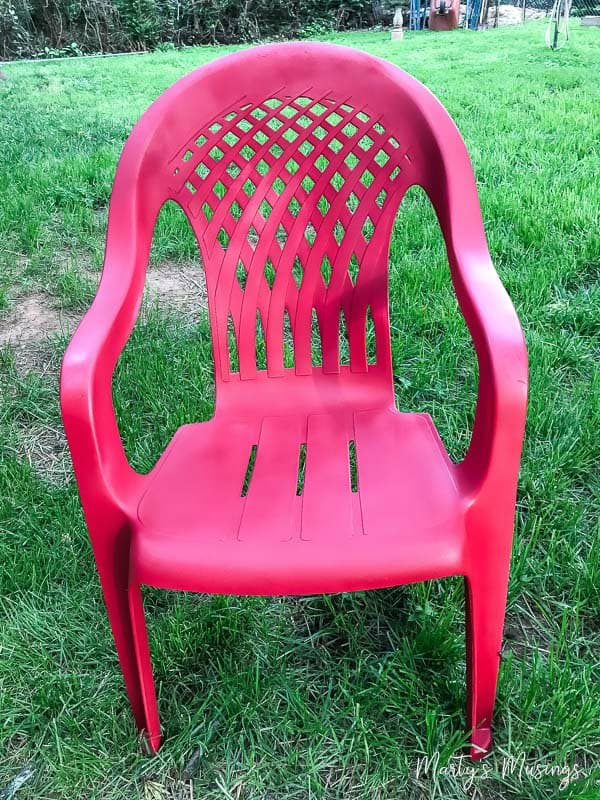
[{"x": 290, "y": 162}]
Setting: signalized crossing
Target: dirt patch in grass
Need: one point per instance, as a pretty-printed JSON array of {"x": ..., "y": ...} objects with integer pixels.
[
  {"x": 179, "y": 288},
  {"x": 511, "y": 15},
  {"x": 27, "y": 326},
  {"x": 44, "y": 448},
  {"x": 30, "y": 318},
  {"x": 35, "y": 318},
  {"x": 508, "y": 15},
  {"x": 525, "y": 631}
]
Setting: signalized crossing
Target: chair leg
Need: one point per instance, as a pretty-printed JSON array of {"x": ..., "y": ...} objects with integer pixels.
[
  {"x": 111, "y": 549},
  {"x": 151, "y": 723},
  {"x": 485, "y": 608},
  {"x": 113, "y": 577}
]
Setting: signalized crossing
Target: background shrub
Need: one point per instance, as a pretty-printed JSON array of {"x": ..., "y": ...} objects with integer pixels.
[{"x": 46, "y": 28}]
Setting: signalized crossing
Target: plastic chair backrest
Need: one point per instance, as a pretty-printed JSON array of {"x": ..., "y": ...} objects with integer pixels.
[{"x": 292, "y": 188}]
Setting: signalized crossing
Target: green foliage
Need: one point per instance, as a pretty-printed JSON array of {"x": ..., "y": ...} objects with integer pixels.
[
  {"x": 60, "y": 52},
  {"x": 141, "y": 20},
  {"x": 47, "y": 27}
]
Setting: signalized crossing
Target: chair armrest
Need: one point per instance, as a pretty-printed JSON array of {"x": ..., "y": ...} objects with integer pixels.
[
  {"x": 491, "y": 464},
  {"x": 103, "y": 473}
]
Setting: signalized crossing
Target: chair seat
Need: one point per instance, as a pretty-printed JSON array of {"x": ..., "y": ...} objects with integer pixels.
[{"x": 208, "y": 522}]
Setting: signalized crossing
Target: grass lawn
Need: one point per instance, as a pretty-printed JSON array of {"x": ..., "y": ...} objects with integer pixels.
[{"x": 318, "y": 697}]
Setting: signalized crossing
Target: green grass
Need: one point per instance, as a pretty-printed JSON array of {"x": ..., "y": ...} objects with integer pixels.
[{"x": 322, "y": 697}]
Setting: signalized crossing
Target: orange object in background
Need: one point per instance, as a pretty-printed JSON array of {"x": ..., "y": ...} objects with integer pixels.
[{"x": 443, "y": 15}]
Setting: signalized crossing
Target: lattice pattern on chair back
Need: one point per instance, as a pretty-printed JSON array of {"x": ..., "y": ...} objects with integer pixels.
[{"x": 292, "y": 198}]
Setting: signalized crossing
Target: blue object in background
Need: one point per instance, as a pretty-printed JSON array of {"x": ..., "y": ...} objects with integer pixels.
[
  {"x": 473, "y": 12},
  {"x": 416, "y": 20}
]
